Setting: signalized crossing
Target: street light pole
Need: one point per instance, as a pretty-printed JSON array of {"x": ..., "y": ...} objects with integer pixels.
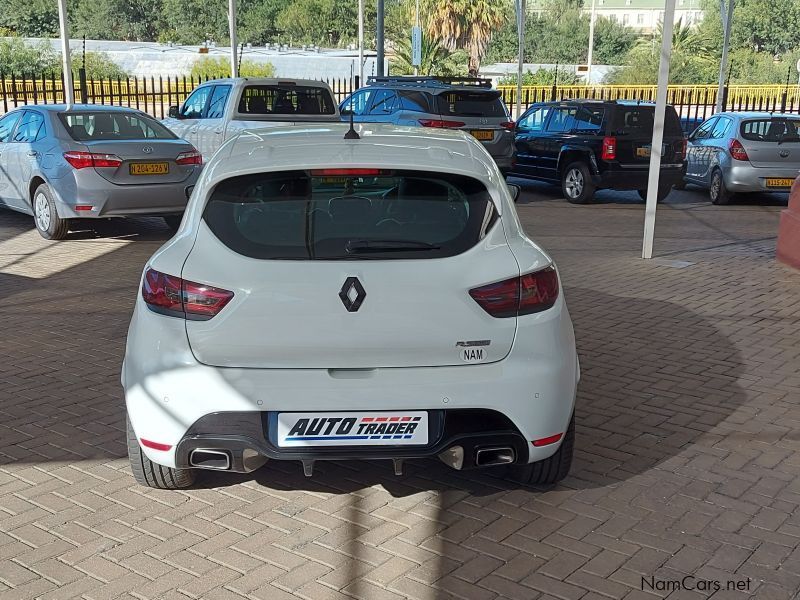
[
  {"x": 379, "y": 39},
  {"x": 69, "y": 88},
  {"x": 234, "y": 40},
  {"x": 591, "y": 44},
  {"x": 727, "y": 21},
  {"x": 360, "y": 42},
  {"x": 520, "y": 52}
]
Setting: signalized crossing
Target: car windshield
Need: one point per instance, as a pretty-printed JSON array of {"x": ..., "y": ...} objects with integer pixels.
[
  {"x": 771, "y": 130},
  {"x": 346, "y": 215},
  {"x": 638, "y": 121},
  {"x": 90, "y": 126},
  {"x": 286, "y": 100},
  {"x": 470, "y": 103}
]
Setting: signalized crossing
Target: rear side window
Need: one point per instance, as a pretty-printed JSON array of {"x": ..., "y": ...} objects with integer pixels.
[
  {"x": 471, "y": 104},
  {"x": 771, "y": 130},
  {"x": 589, "y": 119},
  {"x": 638, "y": 121},
  {"x": 286, "y": 100},
  {"x": 109, "y": 126},
  {"x": 337, "y": 215},
  {"x": 30, "y": 128},
  {"x": 415, "y": 101}
]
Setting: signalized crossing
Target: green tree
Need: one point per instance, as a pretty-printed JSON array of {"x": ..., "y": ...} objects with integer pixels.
[
  {"x": 213, "y": 67},
  {"x": 436, "y": 59},
  {"x": 98, "y": 66},
  {"x": 29, "y": 18},
  {"x": 612, "y": 41},
  {"x": 543, "y": 76},
  {"x": 467, "y": 24},
  {"x": 18, "y": 57},
  {"x": 771, "y": 26},
  {"x": 194, "y": 21}
]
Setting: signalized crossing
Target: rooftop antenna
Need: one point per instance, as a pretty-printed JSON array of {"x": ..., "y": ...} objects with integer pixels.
[{"x": 351, "y": 134}]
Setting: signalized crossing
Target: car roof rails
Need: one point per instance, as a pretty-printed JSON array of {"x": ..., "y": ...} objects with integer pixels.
[{"x": 436, "y": 81}]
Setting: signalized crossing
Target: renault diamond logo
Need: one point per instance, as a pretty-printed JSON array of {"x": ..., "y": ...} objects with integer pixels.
[
  {"x": 147, "y": 149},
  {"x": 352, "y": 294}
]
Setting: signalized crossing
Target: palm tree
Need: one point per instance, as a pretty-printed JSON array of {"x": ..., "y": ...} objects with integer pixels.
[
  {"x": 436, "y": 59},
  {"x": 467, "y": 24}
]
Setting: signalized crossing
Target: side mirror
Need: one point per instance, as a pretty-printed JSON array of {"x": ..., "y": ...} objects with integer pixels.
[
  {"x": 514, "y": 190},
  {"x": 173, "y": 112}
]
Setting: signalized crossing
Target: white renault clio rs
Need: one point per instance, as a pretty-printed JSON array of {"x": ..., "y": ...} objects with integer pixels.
[{"x": 333, "y": 295}]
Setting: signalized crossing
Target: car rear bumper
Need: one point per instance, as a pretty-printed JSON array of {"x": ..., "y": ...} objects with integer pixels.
[
  {"x": 619, "y": 177},
  {"x": 110, "y": 200},
  {"x": 745, "y": 178},
  {"x": 170, "y": 397}
]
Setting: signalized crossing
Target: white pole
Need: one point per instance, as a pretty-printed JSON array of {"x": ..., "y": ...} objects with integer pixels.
[
  {"x": 591, "y": 45},
  {"x": 234, "y": 38},
  {"x": 360, "y": 42},
  {"x": 727, "y": 21},
  {"x": 658, "y": 130},
  {"x": 520, "y": 52},
  {"x": 69, "y": 92},
  {"x": 416, "y": 22}
]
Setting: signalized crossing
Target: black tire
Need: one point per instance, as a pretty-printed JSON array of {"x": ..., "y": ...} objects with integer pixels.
[
  {"x": 173, "y": 221},
  {"x": 681, "y": 185},
  {"x": 717, "y": 192},
  {"x": 550, "y": 470},
  {"x": 151, "y": 474},
  {"x": 49, "y": 225},
  {"x": 576, "y": 183},
  {"x": 663, "y": 192}
]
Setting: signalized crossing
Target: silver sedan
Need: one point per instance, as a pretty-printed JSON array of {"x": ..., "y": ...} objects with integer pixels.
[
  {"x": 741, "y": 152},
  {"x": 61, "y": 162}
]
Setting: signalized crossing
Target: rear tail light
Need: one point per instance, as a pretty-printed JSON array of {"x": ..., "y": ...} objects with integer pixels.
[
  {"x": 680, "y": 149},
  {"x": 440, "y": 123},
  {"x": 82, "y": 160},
  {"x": 530, "y": 293},
  {"x": 177, "y": 297},
  {"x": 609, "y": 148},
  {"x": 190, "y": 157},
  {"x": 507, "y": 125},
  {"x": 737, "y": 150}
]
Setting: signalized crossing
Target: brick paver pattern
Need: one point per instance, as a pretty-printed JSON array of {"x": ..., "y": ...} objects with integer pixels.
[{"x": 687, "y": 463}]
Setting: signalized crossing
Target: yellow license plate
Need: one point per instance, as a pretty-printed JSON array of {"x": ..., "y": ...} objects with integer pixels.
[
  {"x": 149, "y": 168},
  {"x": 643, "y": 152},
  {"x": 780, "y": 182},
  {"x": 483, "y": 135}
]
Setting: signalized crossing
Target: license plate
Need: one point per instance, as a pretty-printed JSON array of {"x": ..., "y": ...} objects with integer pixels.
[
  {"x": 643, "y": 151},
  {"x": 149, "y": 168},
  {"x": 780, "y": 182},
  {"x": 482, "y": 135},
  {"x": 390, "y": 428}
]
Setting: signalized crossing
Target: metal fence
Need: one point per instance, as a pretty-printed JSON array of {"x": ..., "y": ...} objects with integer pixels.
[{"x": 155, "y": 95}]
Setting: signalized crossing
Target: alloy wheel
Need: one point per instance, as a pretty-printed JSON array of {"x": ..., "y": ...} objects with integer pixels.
[{"x": 574, "y": 183}]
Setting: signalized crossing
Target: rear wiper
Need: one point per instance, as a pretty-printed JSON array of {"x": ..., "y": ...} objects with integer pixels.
[{"x": 366, "y": 246}]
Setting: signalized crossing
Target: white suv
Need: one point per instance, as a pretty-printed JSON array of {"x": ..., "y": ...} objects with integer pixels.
[{"x": 361, "y": 297}]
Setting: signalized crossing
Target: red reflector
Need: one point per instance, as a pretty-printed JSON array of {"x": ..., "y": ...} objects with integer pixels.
[
  {"x": 609, "y": 148},
  {"x": 548, "y": 440},
  {"x": 177, "y": 297},
  {"x": 343, "y": 172},
  {"x": 737, "y": 150},
  {"x": 81, "y": 160},
  {"x": 440, "y": 123},
  {"x": 83, "y": 207},
  {"x": 530, "y": 293},
  {"x": 507, "y": 125},
  {"x": 190, "y": 157},
  {"x": 154, "y": 445}
]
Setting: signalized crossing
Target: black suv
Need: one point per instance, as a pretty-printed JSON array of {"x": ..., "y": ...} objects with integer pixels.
[{"x": 588, "y": 145}]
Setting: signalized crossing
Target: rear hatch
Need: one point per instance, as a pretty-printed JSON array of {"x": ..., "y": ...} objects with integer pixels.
[
  {"x": 349, "y": 272},
  {"x": 772, "y": 142},
  {"x": 632, "y": 126},
  {"x": 480, "y": 112},
  {"x": 143, "y": 161}
]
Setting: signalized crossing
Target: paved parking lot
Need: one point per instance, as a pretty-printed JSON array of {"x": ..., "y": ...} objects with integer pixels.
[{"x": 688, "y": 451}]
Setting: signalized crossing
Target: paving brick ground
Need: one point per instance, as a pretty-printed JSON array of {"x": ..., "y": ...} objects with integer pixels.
[{"x": 688, "y": 458}]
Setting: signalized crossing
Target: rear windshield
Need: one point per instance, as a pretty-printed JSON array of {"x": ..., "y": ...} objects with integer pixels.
[
  {"x": 638, "y": 121},
  {"x": 471, "y": 104},
  {"x": 286, "y": 100},
  {"x": 771, "y": 130},
  {"x": 327, "y": 215},
  {"x": 88, "y": 126}
]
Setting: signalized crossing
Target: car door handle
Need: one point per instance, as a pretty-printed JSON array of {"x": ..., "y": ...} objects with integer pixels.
[
  {"x": 33, "y": 153},
  {"x": 218, "y": 131}
]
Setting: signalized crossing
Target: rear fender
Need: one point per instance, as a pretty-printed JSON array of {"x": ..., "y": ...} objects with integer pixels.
[{"x": 572, "y": 152}]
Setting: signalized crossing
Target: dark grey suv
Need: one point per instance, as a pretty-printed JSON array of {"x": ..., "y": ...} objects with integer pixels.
[{"x": 452, "y": 103}]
